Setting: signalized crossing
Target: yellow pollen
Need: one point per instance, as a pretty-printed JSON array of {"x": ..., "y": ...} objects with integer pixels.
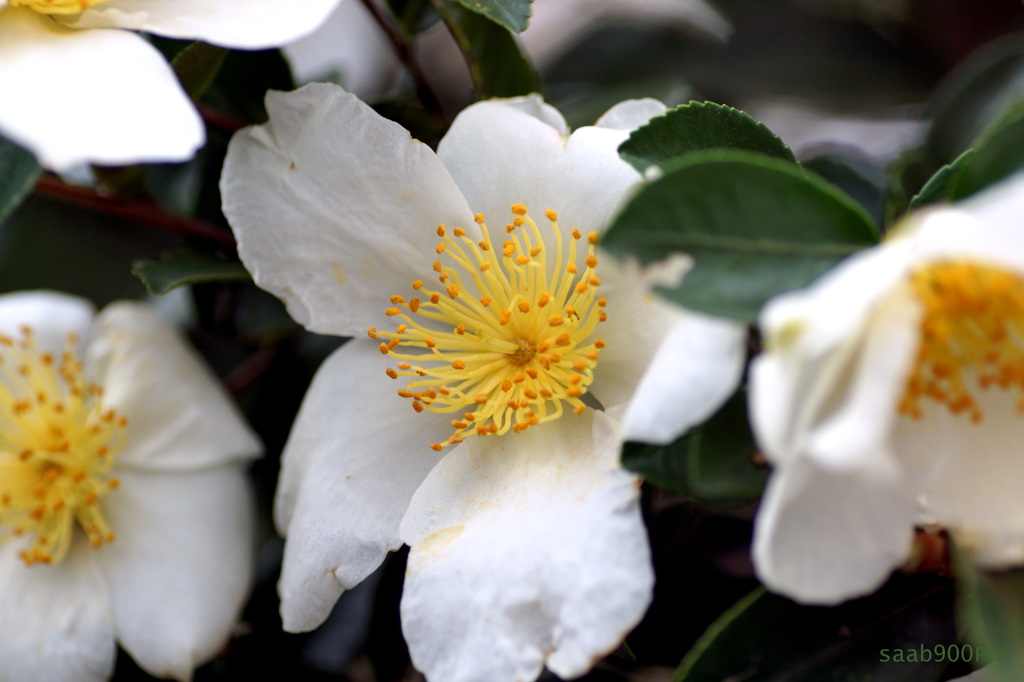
[
  {"x": 492, "y": 350},
  {"x": 971, "y": 337},
  {"x": 56, "y": 453},
  {"x": 56, "y": 6}
]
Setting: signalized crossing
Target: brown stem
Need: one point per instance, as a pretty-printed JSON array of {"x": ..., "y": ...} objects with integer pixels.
[
  {"x": 251, "y": 369},
  {"x": 218, "y": 119},
  {"x": 144, "y": 211},
  {"x": 424, "y": 91}
]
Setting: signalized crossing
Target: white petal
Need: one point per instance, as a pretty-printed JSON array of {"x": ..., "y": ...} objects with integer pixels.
[
  {"x": 50, "y": 315},
  {"x": 697, "y": 366},
  {"x": 821, "y": 537},
  {"x": 109, "y": 96},
  {"x": 526, "y": 549},
  {"x": 631, "y": 114},
  {"x": 637, "y": 322},
  {"x": 179, "y": 418},
  {"x": 356, "y": 455},
  {"x": 504, "y": 152},
  {"x": 812, "y": 339},
  {"x": 855, "y": 433},
  {"x": 181, "y": 566},
  {"x": 54, "y": 620},
  {"x": 245, "y": 24},
  {"x": 335, "y": 208},
  {"x": 973, "y": 474}
]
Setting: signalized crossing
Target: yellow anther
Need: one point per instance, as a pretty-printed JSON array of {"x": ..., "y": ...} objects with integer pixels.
[
  {"x": 479, "y": 218},
  {"x": 395, "y": 300},
  {"x": 440, "y": 231},
  {"x": 503, "y": 365},
  {"x": 592, "y": 238},
  {"x": 417, "y": 284},
  {"x": 391, "y": 373},
  {"x": 372, "y": 332},
  {"x": 391, "y": 312}
]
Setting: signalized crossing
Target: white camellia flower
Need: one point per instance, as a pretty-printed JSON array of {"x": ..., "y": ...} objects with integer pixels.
[
  {"x": 124, "y": 506},
  {"x": 80, "y": 89},
  {"x": 514, "y": 354},
  {"x": 891, "y": 392}
]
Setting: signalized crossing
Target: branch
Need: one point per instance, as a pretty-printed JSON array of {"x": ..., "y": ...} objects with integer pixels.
[
  {"x": 424, "y": 91},
  {"x": 143, "y": 211}
]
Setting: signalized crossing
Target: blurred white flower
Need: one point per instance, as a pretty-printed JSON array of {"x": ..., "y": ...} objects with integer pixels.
[
  {"x": 527, "y": 546},
  {"x": 891, "y": 392},
  {"x": 77, "y": 89},
  {"x": 124, "y": 505}
]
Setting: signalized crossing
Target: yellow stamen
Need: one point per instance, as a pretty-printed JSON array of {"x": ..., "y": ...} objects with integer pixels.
[
  {"x": 58, "y": 444},
  {"x": 494, "y": 351},
  {"x": 971, "y": 337},
  {"x": 56, "y": 6}
]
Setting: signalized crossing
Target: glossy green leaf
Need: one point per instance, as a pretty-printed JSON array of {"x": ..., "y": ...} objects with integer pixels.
[
  {"x": 767, "y": 638},
  {"x": 197, "y": 66},
  {"x": 496, "y": 64},
  {"x": 18, "y": 174},
  {"x": 861, "y": 179},
  {"x": 755, "y": 226},
  {"x": 713, "y": 464},
  {"x": 698, "y": 126},
  {"x": 938, "y": 187},
  {"x": 175, "y": 269},
  {"x": 998, "y": 154},
  {"x": 975, "y": 95},
  {"x": 991, "y": 605},
  {"x": 512, "y": 14}
]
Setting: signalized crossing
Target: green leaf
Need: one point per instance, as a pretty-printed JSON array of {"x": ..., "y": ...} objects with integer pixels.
[
  {"x": 512, "y": 14},
  {"x": 496, "y": 64},
  {"x": 176, "y": 269},
  {"x": 698, "y": 126},
  {"x": 938, "y": 187},
  {"x": 991, "y": 604},
  {"x": 197, "y": 66},
  {"x": 998, "y": 154},
  {"x": 858, "y": 177},
  {"x": 18, "y": 174},
  {"x": 713, "y": 464},
  {"x": 975, "y": 95},
  {"x": 767, "y": 638},
  {"x": 755, "y": 226}
]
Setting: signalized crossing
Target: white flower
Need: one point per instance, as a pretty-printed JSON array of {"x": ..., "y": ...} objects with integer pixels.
[
  {"x": 124, "y": 507},
  {"x": 890, "y": 393},
  {"x": 77, "y": 89},
  {"x": 526, "y": 548}
]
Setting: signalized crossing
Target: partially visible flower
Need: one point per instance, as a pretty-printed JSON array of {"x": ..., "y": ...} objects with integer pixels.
[
  {"x": 79, "y": 90},
  {"x": 514, "y": 347},
  {"x": 891, "y": 392},
  {"x": 124, "y": 508}
]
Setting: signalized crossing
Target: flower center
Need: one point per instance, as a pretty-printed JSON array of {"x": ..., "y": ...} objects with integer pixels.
[
  {"x": 971, "y": 337},
  {"x": 508, "y": 342},
  {"x": 56, "y": 6},
  {"x": 57, "y": 446}
]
